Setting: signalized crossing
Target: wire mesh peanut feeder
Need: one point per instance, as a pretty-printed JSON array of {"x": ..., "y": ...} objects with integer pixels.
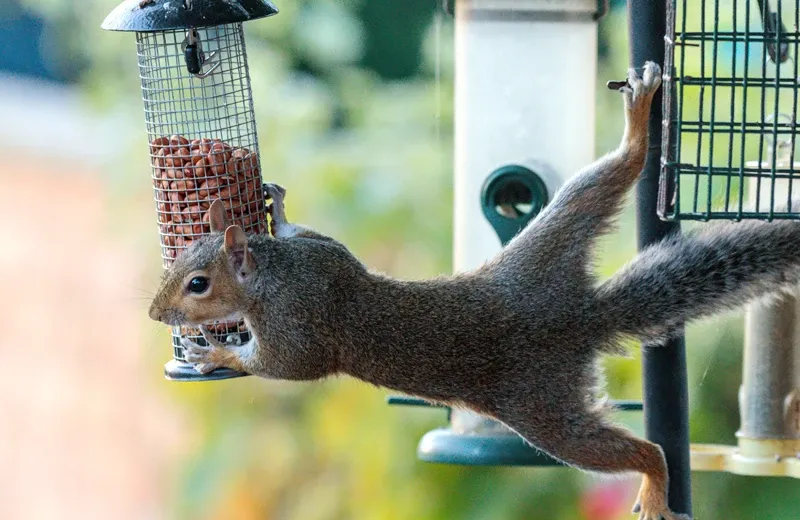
[{"x": 201, "y": 129}]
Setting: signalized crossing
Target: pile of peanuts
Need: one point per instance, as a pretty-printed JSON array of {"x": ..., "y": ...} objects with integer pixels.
[{"x": 189, "y": 175}]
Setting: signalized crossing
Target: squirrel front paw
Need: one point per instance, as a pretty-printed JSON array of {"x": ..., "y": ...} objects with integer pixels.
[
  {"x": 202, "y": 357},
  {"x": 275, "y": 191},
  {"x": 276, "y": 209},
  {"x": 216, "y": 354}
]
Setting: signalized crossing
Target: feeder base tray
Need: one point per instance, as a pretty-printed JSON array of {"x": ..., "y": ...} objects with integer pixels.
[
  {"x": 176, "y": 370},
  {"x": 444, "y": 446}
]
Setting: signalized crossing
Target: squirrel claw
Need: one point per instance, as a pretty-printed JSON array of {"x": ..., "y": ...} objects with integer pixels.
[
  {"x": 662, "y": 515},
  {"x": 209, "y": 337},
  {"x": 205, "y": 368}
]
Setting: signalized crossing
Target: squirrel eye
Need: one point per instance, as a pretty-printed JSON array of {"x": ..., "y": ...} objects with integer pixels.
[{"x": 198, "y": 284}]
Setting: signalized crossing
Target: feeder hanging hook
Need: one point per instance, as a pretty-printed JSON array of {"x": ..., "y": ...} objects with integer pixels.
[{"x": 195, "y": 57}]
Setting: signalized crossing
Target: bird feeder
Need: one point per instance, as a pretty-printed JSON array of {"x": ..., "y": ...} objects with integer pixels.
[
  {"x": 202, "y": 139},
  {"x": 733, "y": 74}
]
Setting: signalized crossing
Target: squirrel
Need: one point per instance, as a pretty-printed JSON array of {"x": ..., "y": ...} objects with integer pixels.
[{"x": 516, "y": 339}]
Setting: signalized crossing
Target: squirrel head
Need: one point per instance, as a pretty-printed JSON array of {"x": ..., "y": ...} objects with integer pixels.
[{"x": 204, "y": 284}]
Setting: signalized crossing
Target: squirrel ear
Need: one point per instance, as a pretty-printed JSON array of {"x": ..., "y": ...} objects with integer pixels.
[
  {"x": 238, "y": 254},
  {"x": 217, "y": 217}
]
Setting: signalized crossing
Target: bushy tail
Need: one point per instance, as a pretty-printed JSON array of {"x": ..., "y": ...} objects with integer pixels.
[{"x": 695, "y": 275}]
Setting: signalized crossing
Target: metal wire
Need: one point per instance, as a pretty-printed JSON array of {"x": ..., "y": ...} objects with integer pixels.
[
  {"x": 730, "y": 113},
  {"x": 203, "y": 144}
]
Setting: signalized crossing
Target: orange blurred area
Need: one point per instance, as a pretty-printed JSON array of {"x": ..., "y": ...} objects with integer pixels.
[{"x": 84, "y": 432}]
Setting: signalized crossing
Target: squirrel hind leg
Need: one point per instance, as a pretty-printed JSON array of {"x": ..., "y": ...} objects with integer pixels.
[
  {"x": 585, "y": 440},
  {"x": 638, "y": 96}
]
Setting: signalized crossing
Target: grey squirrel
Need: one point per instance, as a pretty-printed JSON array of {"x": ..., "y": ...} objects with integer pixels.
[{"x": 516, "y": 339}]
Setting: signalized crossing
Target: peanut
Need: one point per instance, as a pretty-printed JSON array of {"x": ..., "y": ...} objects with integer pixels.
[
  {"x": 160, "y": 156},
  {"x": 158, "y": 144},
  {"x": 189, "y": 175},
  {"x": 191, "y": 213},
  {"x": 184, "y": 185},
  {"x": 210, "y": 187},
  {"x": 240, "y": 153},
  {"x": 178, "y": 140},
  {"x": 229, "y": 192}
]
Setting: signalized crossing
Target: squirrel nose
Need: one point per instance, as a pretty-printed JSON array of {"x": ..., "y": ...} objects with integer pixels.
[{"x": 155, "y": 314}]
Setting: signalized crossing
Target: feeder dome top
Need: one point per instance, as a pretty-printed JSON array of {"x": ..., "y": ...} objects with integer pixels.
[{"x": 166, "y": 15}]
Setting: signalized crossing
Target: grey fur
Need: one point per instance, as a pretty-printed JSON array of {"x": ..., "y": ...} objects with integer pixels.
[{"x": 693, "y": 276}]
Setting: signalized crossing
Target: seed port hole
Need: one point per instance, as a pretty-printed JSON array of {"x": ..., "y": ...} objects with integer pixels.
[{"x": 513, "y": 200}]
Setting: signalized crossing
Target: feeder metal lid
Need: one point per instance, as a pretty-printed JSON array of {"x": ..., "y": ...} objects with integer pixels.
[{"x": 166, "y": 15}]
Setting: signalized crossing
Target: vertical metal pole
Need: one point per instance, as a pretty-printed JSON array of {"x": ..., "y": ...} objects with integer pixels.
[
  {"x": 769, "y": 385},
  {"x": 665, "y": 383}
]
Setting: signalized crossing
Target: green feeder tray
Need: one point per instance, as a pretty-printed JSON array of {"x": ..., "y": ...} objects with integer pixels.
[{"x": 445, "y": 446}]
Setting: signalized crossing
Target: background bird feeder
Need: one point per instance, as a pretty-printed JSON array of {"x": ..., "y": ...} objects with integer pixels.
[{"x": 201, "y": 130}]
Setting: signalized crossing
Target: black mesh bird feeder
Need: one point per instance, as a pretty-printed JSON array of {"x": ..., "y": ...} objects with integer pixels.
[
  {"x": 731, "y": 123},
  {"x": 201, "y": 129},
  {"x": 729, "y": 152}
]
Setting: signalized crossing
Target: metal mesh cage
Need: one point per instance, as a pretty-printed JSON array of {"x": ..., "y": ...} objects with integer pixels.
[
  {"x": 203, "y": 142},
  {"x": 730, "y": 110}
]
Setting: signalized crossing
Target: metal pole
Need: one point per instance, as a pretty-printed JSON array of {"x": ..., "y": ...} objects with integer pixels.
[
  {"x": 769, "y": 376},
  {"x": 666, "y": 396}
]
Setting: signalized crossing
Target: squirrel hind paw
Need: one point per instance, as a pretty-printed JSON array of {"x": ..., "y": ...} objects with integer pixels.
[
  {"x": 641, "y": 87},
  {"x": 274, "y": 191},
  {"x": 651, "y": 77},
  {"x": 651, "y": 504},
  {"x": 655, "y": 514}
]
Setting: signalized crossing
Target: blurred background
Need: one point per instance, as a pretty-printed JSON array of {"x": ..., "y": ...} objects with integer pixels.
[{"x": 354, "y": 106}]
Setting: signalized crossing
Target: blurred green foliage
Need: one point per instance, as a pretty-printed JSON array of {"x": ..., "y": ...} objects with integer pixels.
[{"x": 354, "y": 104}]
